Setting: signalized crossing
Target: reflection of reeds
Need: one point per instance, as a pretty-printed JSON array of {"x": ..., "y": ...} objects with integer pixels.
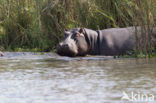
[{"x": 40, "y": 23}]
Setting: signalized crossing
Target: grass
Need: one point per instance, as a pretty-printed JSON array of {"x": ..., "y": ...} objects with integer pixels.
[{"x": 38, "y": 25}]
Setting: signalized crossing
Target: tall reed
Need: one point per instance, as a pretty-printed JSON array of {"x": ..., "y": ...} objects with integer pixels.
[{"x": 40, "y": 23}]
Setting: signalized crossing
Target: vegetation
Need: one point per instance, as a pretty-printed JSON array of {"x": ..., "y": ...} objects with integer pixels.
[{"x": 40, "y": 24}]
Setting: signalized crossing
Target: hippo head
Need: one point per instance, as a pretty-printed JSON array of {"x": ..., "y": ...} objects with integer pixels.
[{"x": 74, "y": 43}]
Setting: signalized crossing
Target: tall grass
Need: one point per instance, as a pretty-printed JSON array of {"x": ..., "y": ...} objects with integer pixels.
[{"x": 40, "y": 23}]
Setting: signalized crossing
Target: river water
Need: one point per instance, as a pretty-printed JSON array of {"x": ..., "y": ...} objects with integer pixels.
[{"x": 49, "y": 78}]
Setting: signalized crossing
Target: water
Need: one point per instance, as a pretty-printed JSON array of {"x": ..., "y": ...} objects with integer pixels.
[{"x": 49, "y": 78}]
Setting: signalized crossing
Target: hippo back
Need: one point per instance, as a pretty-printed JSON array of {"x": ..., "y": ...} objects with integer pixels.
[{"x": 116, "y": 41}]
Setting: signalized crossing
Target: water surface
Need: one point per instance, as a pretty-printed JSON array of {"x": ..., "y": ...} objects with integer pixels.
[{"x": 49, "y": 78}]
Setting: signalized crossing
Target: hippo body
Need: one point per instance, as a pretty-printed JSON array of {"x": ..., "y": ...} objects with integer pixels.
[
  {"x": 117, "y": 41},
  {"x": 114, "y": 41}
]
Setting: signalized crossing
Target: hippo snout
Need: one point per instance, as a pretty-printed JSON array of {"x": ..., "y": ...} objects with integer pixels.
[
  {"x": 59, "y": 47},
  {"x": 65, "y": 46},
  {"x": 66, "y": 49},
  {"x": 62, "y": 46}
]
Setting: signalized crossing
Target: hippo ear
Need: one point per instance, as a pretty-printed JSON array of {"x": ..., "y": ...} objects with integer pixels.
[{"x": 81, "y": 30}]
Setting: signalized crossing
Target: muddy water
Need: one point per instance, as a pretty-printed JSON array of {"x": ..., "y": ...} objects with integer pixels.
[{"x": 48, "y": 78}]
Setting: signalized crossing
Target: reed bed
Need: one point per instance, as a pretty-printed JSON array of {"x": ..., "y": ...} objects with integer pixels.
[{"x": 39, "y": 24}]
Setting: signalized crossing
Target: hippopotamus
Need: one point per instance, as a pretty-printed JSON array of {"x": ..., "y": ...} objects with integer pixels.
[{"x": 108, "y": 42}]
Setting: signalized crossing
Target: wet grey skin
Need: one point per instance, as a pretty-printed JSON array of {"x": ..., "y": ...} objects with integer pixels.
[
  {"x": 108, "y": 42},
  {"x": 83, "y": 41},
  {"x": 74, "y": 44}
]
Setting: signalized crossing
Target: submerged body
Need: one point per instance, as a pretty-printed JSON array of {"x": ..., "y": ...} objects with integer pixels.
[{"x": 82, "y": 41}]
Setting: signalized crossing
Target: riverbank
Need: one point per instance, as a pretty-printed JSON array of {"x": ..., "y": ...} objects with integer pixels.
[
  {"x": 52, "y": 54},
  {"x": 49, "y": 55}
]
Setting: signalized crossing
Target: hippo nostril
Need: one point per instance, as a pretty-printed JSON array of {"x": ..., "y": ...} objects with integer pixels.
[{"x": 65, "y": 45}]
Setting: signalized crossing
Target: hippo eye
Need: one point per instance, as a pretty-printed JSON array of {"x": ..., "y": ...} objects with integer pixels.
[
  {"x": 66, "y": 35},
  {"x": 74, "y": 37}
]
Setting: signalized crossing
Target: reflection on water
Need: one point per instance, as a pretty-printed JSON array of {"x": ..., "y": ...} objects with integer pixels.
[{"x": 52, "y": 79}]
